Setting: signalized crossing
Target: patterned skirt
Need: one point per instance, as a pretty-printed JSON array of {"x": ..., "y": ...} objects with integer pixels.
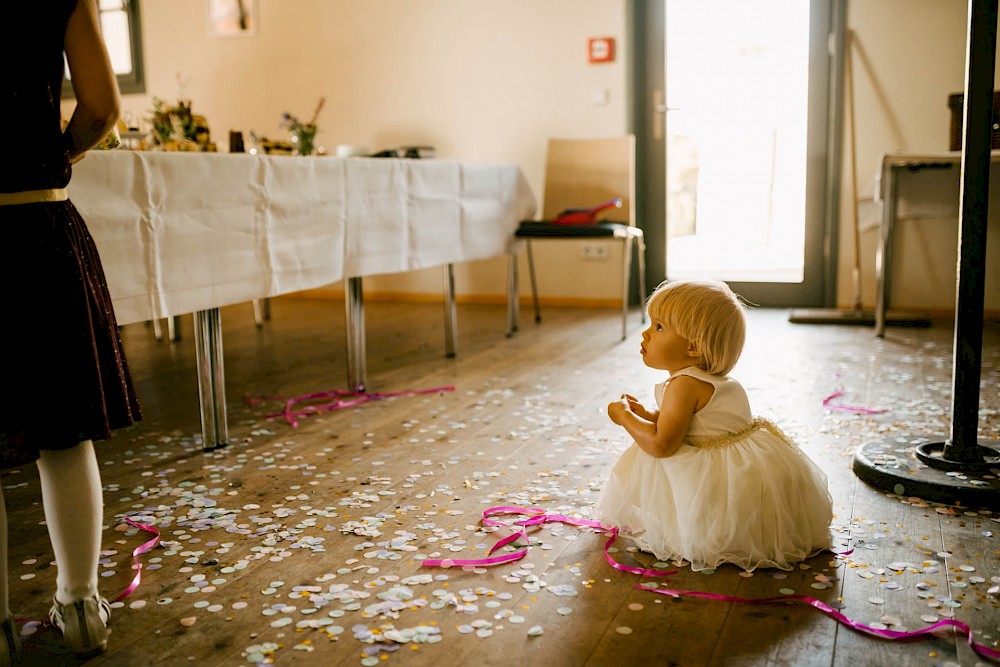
[{"x": 63, "y": 371}]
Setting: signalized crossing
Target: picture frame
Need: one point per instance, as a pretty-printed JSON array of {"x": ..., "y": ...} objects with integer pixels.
[{"x": 232, "y": 18}]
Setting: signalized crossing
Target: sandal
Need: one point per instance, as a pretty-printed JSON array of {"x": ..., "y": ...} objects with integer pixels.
[
  {"x": 10, "y": 644},
  {"x": 84, "y": 624}
]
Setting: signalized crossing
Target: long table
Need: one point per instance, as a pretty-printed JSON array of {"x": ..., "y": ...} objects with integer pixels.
[{"x": 186, "y": 233}]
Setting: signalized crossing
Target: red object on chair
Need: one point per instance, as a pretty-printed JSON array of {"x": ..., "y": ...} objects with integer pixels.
[{"x": 585, "y": 216}]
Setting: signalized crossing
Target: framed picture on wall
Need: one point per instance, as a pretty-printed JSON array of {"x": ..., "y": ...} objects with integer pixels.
[{"x": 232, "y": 18}]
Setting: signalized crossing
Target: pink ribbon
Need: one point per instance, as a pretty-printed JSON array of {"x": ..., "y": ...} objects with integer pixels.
[
  {"x": 981, "y": 649},
  {"x": 337, "y": 399},
  {"x": 828, "y": 403},
  {"x": 537, "y": 516},
  {"x": 138, "y": 551}
]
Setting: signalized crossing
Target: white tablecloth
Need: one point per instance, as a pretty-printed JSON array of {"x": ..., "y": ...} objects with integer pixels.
[{"x": 186, "y": 232}]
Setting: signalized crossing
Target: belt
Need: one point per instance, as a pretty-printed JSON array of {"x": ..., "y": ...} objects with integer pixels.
[{"x": 33, "y": 196}]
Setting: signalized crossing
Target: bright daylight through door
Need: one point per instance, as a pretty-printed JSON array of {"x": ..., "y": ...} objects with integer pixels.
[{"x": 736, "y": 139}]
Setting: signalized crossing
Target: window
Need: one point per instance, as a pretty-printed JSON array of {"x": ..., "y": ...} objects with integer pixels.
[{"x": 120, "y": 25}]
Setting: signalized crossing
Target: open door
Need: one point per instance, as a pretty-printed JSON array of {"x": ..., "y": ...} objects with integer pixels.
[{"x": 741, "y": 109}]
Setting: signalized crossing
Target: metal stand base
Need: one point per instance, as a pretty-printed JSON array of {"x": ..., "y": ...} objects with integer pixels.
[{"x": 899, "y": 468}]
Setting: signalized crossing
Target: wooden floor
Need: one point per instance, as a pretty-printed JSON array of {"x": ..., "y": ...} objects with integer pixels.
[{"x": 303, "y": 545}]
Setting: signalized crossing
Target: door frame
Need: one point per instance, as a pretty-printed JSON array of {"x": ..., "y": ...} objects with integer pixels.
[{"x": 645, "y": 81}]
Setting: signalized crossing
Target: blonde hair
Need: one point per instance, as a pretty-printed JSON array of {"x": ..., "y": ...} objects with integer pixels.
[{"x": 708, "y": 314}]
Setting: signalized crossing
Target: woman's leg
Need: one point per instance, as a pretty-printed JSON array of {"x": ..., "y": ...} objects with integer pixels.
[{"x": 74, "y": 513}]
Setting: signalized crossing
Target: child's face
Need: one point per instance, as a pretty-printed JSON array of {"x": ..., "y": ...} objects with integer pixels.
[{"x": 664, "y": 349}]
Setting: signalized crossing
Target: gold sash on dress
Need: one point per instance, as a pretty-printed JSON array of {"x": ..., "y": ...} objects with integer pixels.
[
  {"x": 33, "y": 196},
  {"x": 726, "y": 439}
]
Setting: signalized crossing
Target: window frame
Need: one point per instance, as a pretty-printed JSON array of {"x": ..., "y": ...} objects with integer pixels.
[{"x": 130, "y": 82}]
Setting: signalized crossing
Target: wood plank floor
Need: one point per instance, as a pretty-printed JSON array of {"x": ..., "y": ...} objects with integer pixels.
[{"x": 303, "y": 545}]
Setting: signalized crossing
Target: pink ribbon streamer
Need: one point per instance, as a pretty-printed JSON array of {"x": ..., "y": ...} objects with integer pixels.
[
  {"x": 138, "y": 551},
  {"x": 981, "y": 649},
  {"x": 337, "y": 399},
  {"x": 537, "y": 516},
  {"x": 828, "y": 403}
]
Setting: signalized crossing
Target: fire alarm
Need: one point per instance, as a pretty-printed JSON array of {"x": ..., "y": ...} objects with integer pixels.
[{"x": 601, "y": 49}]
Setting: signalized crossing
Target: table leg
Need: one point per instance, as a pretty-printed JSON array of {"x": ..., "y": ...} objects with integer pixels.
[
  {"x": 883, "y": 250},
  {"x": 261, "y": 311},
  {"x": 211, "y": 378},
  {"x": 450, "y": 316},
  {"x": 513, "y": 305},
  {"x": 626, "y": 280},
  {"x": 355, "y": 312},
  {"x": 174, "y": 328}
]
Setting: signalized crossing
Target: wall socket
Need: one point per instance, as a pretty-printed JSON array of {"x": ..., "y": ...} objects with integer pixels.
[{"x": 594, "y": 251}]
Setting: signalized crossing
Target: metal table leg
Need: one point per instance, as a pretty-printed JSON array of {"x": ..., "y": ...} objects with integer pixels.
[
  {"x": 450, "y": 316},
  {"x": 626, "y": 280},
  {"x": 513, "y": 305},
  {"x": 211, "y": 378},
  {"x": 174, "y": 328},
  {"x": 883, "y": 250},
  {"x": 261, "y": 311},
  {"x": 355, "y": 311},
  {"x": 641, "y": 251}
]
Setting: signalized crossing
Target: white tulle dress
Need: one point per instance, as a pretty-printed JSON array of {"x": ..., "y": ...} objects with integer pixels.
[{"x": 736, "y": 491}]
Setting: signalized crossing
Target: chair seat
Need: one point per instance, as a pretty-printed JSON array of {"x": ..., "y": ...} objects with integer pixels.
[{"x": 541, "y": 229}]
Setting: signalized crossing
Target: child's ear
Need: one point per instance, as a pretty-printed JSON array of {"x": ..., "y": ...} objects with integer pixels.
[{"x": 693, "y": 350}]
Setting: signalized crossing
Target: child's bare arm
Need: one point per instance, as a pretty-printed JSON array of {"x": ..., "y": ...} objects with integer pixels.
[{"x": 660, "y": 437}]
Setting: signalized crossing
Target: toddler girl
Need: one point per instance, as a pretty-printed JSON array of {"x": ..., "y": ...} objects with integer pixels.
[{"x": 705, "y": 481}]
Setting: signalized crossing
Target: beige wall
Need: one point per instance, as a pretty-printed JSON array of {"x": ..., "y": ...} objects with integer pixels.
[
  {"x": 909, "y": 56},
  {"x": 491, "y": 81},
  {"x": 479, "y": 81}
]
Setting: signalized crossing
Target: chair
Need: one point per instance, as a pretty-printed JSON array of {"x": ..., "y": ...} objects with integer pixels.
[{"x": 582, "y": 173}]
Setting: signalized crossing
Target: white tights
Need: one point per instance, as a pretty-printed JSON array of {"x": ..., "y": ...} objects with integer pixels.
[{"x": 74, "y": 513}]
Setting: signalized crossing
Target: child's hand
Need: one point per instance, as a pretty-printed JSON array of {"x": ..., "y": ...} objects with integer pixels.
[
  {"x": 617, "y": 409},
  {"x": 635, "y": 406}
]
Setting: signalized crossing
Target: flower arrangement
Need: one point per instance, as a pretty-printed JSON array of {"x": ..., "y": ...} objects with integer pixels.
[
  {"x": 175, "y": 127},
  {"x": 112, "y": 141},
  {"x": 303, "y": 134}
]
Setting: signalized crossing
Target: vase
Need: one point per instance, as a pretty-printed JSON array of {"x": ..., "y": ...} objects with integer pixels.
[{"x": 304, "y": 140}]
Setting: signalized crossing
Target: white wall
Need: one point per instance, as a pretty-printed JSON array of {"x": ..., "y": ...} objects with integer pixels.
[
  {"x": 491, "y": 81},
  {"x": 479, "y": 81},
  {"x": 909, "y": 56}
]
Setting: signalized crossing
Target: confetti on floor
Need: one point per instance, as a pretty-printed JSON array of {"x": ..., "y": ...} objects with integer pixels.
[{"x": 223, "y": 526}]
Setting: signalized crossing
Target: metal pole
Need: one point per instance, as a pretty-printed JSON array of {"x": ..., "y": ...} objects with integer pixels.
[
  {"x": 211, "y": 378},
  {"x": 355, "y": 307},
  {"x": 883, "y": 251},
  {"x": 450, "y": 315},
  {"x": 880, "y": 462},
  {"x": 978, "y": 128}
]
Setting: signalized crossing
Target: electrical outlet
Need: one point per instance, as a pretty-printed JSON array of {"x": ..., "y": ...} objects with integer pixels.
[{"x": 594, "y": 251}]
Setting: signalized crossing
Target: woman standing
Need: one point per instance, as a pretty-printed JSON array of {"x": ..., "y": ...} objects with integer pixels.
[{"x": 65, "y": 382}]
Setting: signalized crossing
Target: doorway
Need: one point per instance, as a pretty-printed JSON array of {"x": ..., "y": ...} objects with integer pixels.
[{"x": 742, "y": 113}]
